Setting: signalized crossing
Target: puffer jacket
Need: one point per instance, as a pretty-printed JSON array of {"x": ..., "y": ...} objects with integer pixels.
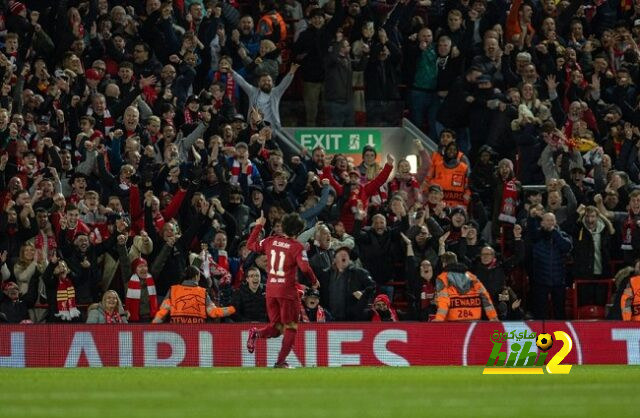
[
  {"x": 249, "y": 306},
  {"x": 96, "y": 315},
  {"x": 549, "y": 251}
]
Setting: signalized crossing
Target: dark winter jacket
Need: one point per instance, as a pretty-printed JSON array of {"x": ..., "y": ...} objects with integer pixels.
[
  {"x": 167, "y": 263},
  {"x": 549, "y": 250},
  {"x": 454, "y": 112},
  {"x": 338, "y": 85},
  {"x": 16, "y": 311},
  {"x": 312, "y": 47},
  {"x": 250, "y": 306},
  {"x": 345, "y": 306},
  {"x": 382, "y": 76},
  {"x": 379, "y": 252},
  {"x": 494, "y": 279},
  {"x": 583, "y": 250}
]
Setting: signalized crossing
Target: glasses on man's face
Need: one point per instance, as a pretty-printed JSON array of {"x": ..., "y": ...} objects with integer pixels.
[
  {"x": 100, "y": 69},
  {"x": 486, "y": 254}
]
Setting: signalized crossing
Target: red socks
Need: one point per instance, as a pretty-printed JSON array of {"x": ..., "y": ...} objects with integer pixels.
[
  {"x": 270, "y": 331},
  {"x": 287, "y": 344}
]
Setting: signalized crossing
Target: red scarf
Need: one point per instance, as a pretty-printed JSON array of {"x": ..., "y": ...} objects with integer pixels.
[
  {"x": 321, "y": 316},
  {"x": 628, "y": 228},
  {"x": 376, "y": 200},
  {"x": 212, "y": 269},
  {"x": 409, "y": 184},
  {"x": 509, "y": 202},
  {"x": 80, "y": 228},
  {"x": 107, "y": 119},
  {"x": 133, "y": 296},
  {"x": 376, "y": 316},
  {"x": 230, "y": 87},
  {"x": 150, "y": 95},
  {"x": 493, "y": 264},
  {"x": 235, "y": 172},
  {"x": 223, "y": 263},
  {"x": 190, "y": 117},
  {"x": 617, "y": 146},
  {"x": 74, "y": 198},
  {"x": 113, "y": 318},
  {"x": 46, "y": 243},
  {"x": 66, "y": 300}
]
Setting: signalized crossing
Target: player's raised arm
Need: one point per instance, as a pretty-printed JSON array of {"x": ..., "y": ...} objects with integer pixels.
[{"x": 254, "y": 243}]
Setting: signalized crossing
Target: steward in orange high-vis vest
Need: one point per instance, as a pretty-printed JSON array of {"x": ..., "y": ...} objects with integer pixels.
[
  {"x": 451, "y": 174},
  {"x": 447, "y": 136},
  {"x": 630, "y": 301},
  {"x": 460, "y": 295},
  {"x": 272, "y": 25},
  {"x": 188, "y": 303}
]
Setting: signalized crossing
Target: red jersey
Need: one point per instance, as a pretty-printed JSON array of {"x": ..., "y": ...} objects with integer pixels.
[{"x": 284, "y": 257}]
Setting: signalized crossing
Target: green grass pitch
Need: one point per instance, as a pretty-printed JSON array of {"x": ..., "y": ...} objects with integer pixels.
[{"x": 347, "y": 392}]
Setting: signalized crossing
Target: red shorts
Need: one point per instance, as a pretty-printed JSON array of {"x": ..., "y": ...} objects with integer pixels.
[{"x": 283, "y": 311}]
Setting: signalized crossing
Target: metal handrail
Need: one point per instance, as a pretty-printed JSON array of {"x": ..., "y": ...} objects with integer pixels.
[
  {"x": 288, "y": 144},
  {"x": 416, "y": 132}
]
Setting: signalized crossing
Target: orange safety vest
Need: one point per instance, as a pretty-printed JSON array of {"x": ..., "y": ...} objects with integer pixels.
[
  {"x": 453, "y": 182},
  {"x": 272, "y": 26},
  {"x": 630, "y": 301},
  {"x": 188, "y": 302},
  {"x": 438, "y": 160},
  {"x": 463, "y": 307}
]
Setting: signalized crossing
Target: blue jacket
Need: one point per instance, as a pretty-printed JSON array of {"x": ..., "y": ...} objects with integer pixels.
[{"x": 549, "y": 250}]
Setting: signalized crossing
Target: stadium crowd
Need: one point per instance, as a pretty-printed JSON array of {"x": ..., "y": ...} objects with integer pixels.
[{"x": 137, "y": 140}]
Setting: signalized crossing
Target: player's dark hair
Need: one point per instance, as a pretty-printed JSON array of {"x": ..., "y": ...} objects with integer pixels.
[{"x": 292, "y": 224}]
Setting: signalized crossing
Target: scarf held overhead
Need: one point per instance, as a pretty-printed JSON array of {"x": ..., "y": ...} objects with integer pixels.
[{"x": 509, "y": 202}]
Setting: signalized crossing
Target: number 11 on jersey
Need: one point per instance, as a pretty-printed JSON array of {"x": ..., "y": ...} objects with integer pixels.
[{"x": 277, "y": 258}]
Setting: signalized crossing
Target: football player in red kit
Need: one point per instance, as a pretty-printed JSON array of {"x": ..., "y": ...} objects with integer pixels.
[{"x": 284, "y": 255}]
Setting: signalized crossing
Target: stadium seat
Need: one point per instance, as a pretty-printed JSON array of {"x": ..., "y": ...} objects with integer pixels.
[
  {"x": 399, "y": 295},
  {"x": 589, "y": 311}
]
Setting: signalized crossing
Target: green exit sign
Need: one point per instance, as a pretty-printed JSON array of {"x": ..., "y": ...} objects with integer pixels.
[{"x": 343, "y": 141}]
